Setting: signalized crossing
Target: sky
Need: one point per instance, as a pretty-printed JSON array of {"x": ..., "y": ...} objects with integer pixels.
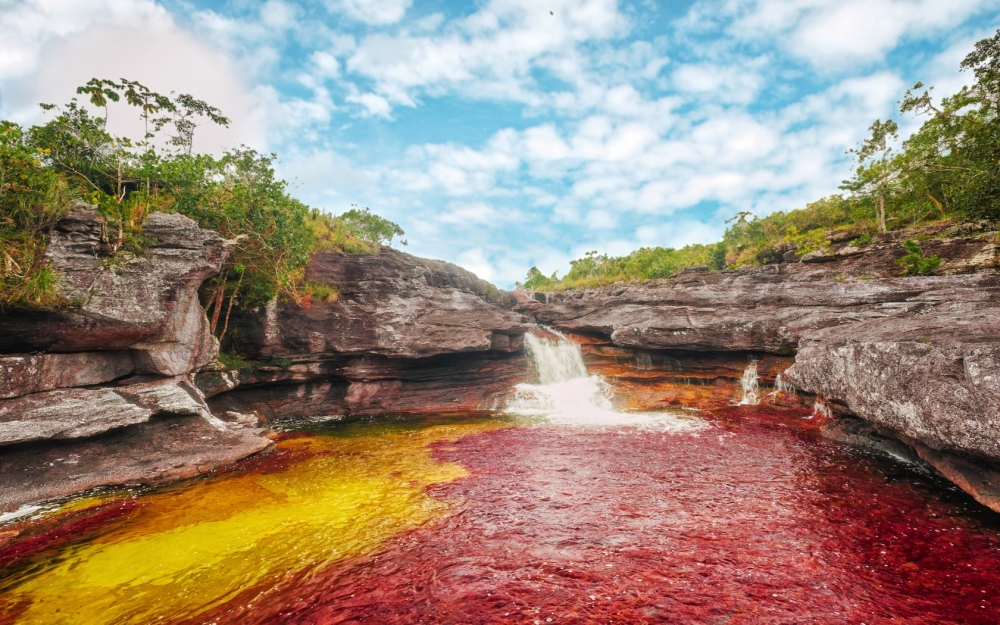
[{"x": 502, "y": 134}]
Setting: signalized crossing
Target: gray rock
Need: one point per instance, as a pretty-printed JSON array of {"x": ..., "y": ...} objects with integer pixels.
[
  {"x": 21, "y": 374},
  {"x": 819, "y": 256},
  {"x": 82, "y": 412},
  {"x": 148, "y": 303},
  {"x": 934, "y": 378}
]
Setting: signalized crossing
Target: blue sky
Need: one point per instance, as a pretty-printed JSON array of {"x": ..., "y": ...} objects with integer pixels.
[{"x": 503, "y": 134}]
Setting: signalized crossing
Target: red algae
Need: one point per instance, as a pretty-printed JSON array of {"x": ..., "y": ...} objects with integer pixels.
[{"x": 755, "y": 520}]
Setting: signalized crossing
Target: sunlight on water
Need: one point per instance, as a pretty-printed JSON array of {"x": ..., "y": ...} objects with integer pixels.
[
  {"x": 567, "y": 395},
  {"x": 191, "y": 548}
]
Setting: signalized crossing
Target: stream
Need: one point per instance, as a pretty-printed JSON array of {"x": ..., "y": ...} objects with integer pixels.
[{"x": 559, "y": 509}]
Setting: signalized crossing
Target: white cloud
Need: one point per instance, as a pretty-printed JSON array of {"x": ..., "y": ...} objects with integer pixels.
[
  {"x": 839, "y": 32},
  {"x": 130, "y": 39},
  {"x": 377, "y": 12}
]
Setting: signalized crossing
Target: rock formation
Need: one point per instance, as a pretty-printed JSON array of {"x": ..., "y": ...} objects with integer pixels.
[
  {"x": 112, "y": 361},
  {"x": 405, "y": 335}
]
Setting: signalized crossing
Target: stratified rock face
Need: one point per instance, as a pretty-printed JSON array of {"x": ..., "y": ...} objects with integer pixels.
[
  {"x": 934, "y": 378},
  {"x": 390, "y": 304},
  {"x": 82, "y": 412},
  {"x": 159, "y": 450},
  {"x": 406, "y": 335},
  {"x": 759, "y": 309},
  {"x": 21, "y": 374},
  {"x": 148, "y": 304}
]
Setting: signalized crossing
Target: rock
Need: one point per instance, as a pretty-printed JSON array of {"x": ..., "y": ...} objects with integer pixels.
[
  {"x": 819, "y": 256},
  {"x": 147, "y": 303},
  {"x": 791, "y": 256},
  {"x": 160, "y": 450},
  {"x": 850, "y": 250},
  {"x": 390, "y": 304},
  {"x": 82, "y": 412},
  {"x": 840, "y": 236},
  {"x": 986, "y": 258},
  {"x": 933, "y": 378},
  {"x": 764, "y": 309},
  {"x": 21, "y": 374}
]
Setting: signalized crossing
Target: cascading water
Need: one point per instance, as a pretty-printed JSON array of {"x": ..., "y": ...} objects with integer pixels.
[
  {"x": 751, "y": 386},
  {"x": 567, "y": 394}
]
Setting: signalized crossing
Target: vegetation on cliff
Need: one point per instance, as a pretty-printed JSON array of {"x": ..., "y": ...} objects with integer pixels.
[
  {"x": 948, "y": 169},
  {"x": 74, "y": 157}
]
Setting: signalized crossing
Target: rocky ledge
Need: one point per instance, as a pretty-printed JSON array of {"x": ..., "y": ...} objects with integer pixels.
[
  {"x": 405, "y": 334},
  {"x": 917, "y": 357},
  {"x": 99, "y": 388}
]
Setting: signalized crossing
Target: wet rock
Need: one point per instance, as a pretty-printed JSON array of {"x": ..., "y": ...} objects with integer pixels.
[
  {"x": 160, "y": 450},
  {"x": 21, "y": 374},
  {"x": 82, "y": 412}
]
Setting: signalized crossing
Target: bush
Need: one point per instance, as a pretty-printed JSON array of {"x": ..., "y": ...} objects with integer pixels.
[{"x": 915, "y": 263}]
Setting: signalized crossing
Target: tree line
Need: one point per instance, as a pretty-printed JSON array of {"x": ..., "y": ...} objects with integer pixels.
[
  {"x": 43, "y": 169},
  {"x": 948, "y": 169}
]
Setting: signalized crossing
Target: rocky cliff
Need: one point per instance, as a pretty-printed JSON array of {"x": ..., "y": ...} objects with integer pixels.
[
  {"x": 405, "y": 334},
  {"x": 78, "y": 382},
  {"x": 917, "y": 357}
]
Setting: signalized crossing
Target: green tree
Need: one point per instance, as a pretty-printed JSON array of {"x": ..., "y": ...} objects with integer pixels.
[{"x": 877, "y": 170}]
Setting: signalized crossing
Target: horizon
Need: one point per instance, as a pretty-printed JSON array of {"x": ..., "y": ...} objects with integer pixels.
[{"x": 509, "y": 134}]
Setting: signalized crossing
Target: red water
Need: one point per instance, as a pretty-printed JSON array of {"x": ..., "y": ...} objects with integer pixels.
[{"x": 753, "y": 521}]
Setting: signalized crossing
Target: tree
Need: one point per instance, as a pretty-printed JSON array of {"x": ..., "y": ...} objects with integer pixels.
[{"x": 876, "y": 168}]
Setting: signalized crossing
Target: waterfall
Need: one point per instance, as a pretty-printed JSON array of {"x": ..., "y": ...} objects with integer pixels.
[
  {"x": 751, "y": 387},
  {"x": 821, "y": 409},
  {"x": 566, "y": 394},
  {"x": 781, "y": 386}
]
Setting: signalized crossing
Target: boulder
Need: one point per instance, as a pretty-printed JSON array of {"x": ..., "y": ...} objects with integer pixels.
[{"x": 148, "y": 304}]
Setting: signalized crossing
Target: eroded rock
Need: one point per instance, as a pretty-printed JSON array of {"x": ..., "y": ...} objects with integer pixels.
[{"x": 82, "y": 412}]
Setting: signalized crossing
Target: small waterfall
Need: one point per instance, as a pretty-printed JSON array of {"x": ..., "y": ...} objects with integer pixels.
[
  {"x": 567, "y": 394},
  {"x": 751, "y": 386},
  {"x": 781, "y": 387},
  {"x": 821, "y": 409}
]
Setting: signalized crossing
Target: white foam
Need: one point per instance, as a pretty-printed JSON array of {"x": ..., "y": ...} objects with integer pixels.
[{"x": 567, "y": 395}]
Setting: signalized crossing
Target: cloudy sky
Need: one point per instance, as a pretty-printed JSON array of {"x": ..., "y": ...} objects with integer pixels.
[{"x": 503, "y": 134}]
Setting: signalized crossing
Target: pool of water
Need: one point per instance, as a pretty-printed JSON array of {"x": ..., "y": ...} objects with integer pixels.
[{"x": 747, "y": 516}]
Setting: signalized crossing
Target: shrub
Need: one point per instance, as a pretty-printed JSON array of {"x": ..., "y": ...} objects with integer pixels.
[{"x": 916, "y": 263}]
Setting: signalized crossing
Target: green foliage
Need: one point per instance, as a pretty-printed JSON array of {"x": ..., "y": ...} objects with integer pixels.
[
  {"x": 32, "y": 199},
  {"x": 648, "y": 263},
  {"x": 916, "y": 263},
  {"x": 234, "y": 361},
  {"x": 371, "y": 228},
  {"x": 319, "y": 292},
  {"x": 237, "y": 195}
]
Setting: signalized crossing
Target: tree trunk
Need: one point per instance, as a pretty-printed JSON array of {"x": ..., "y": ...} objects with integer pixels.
[
  {"x": 218, "y": 302},
  {"x": 881, "y": 212}
]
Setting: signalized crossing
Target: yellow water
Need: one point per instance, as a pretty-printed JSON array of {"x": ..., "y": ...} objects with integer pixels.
[{"x": 192, "y": 548}]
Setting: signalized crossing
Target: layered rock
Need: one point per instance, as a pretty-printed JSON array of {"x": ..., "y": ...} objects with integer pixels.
[
  {"x": 112, "y": 362},
  {"x": 918, "y": 357},
  {"x": 405, "y": 335},
  {"x": 148, "y": 305}
]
